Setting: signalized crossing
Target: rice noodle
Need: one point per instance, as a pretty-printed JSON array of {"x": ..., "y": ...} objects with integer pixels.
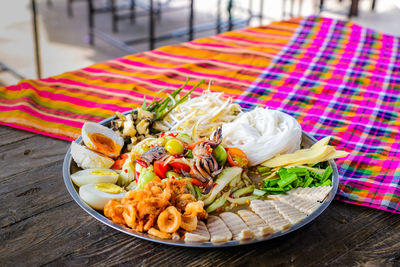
[{"x": 262, "y": 134}]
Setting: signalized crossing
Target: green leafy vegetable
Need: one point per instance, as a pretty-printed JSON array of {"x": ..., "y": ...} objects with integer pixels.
[{"x": 293, "y": 177}]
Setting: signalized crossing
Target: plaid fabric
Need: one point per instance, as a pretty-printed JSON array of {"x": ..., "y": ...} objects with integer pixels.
[{"x": 343, "y": 80}]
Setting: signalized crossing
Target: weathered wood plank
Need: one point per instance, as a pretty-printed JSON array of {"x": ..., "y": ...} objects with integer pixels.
[
  {"x": 10, "y": 135},
  {"x": 32, "y": 192},
  {"x": 380, "y": 249},
  {"x": 49, "y": 235},
  {"x": 30, "y": 153}
]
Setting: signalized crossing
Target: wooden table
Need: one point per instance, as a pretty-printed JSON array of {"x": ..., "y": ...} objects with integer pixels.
[{"x": 41, "y": 224}]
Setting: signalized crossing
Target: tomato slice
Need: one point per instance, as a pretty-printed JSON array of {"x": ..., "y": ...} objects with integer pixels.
[
  {"x": 198, "y": 183},
  {"x": 160, "y": 168},
  {"x": 236, "y": 157},
  {"x": 120, "y": 162},
  {"x": 192, "y": 146},
  {"x": 179, "y": 167}
]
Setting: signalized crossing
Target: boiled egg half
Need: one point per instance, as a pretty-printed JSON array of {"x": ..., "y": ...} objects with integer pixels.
[
  {"x": 102, "y": 139},
  {"x": 97, "y": 195},
  {"x": 94, "y": 176},
  {"x": 87, "y": 159}
]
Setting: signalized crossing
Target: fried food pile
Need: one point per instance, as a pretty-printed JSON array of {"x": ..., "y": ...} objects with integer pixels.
[{"x": 162, "y": 209}]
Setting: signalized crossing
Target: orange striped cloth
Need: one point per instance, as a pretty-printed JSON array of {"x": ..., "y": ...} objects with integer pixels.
[{"x": 59, "y": 105}]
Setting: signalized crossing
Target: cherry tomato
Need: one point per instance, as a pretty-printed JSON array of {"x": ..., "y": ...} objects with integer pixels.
[
  {"x": 160, "y": 168},
  {"x": 179, "y": 167},
  {"x": 236, "y": 157},
  {"x": 174, "y": 147}
]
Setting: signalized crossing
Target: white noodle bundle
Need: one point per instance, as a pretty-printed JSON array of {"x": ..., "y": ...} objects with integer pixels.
[{"x": 262, "y": 134}]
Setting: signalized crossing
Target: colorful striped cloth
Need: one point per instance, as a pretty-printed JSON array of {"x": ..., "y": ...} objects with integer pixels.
[
  {"x": 335, "y": 77},
  {"x": 58, "y": 106},
  {"x": 343, "y": 80}
]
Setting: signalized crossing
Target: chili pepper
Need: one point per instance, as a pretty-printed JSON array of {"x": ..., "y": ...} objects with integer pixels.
[{"x": 141, "y": 163}]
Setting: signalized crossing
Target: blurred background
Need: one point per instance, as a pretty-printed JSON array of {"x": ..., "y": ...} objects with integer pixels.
[{"x": 73, "y": 34}]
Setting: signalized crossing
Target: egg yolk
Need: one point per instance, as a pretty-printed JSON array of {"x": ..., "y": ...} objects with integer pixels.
[
  {"x": 102, "y": 172},
  {"x": 109, "y": 188},
  {"x": 104, "y": 144}
]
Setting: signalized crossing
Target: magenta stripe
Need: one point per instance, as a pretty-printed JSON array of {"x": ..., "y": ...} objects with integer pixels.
[
  {"x": 100, "y": 88},
  {"x": 72, "y": 114},
  {"x": 206, "y": 60},
  {"x": 64, "y": 98},
  {"x": 42, "y": 116},
  {"x": 180, "y": 70},
  {"x": 234, "y": 38}
]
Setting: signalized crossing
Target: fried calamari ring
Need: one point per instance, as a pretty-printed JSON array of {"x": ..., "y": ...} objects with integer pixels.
[
  {"x": 130, "y": 215},
  {"x": 169, "y": 220},
  {"x": 189, "y": 223},
  {"x": 155, "y": 232}
]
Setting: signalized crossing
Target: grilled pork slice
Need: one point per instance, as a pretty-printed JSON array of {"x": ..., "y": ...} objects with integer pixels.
[
  {"x": 259, "y": 227},
  {"x": 219, "y": 232},
  {"x": 304, "y": 205},
  {"x": 239, "y": 229},
  {"x": 317, "y": 193},
  {"x": 290, "y": 213},
  {"x": 200, "y": 234},
  {"x": 268, "y": 213}
]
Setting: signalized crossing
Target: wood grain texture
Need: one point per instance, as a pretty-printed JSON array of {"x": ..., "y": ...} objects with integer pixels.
[
  {"x": 41, "y": 224},
  {"x": 36, "y": 151},
  {"x": 9, "y": 135}
]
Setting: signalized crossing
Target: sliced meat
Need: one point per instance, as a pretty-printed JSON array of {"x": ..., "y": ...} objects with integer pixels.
[
  {"x": 219, "y": 232},
  {"x": 290, "y": 213},
  {"x": 200, "y": 234},
  {"x": 259, "y": 227},
  {"x": 239, "y": 229},
  {"x": 266, "y": 210},
  {"x": 317, "y": 193},
  {"x": 304, "y": 205}
]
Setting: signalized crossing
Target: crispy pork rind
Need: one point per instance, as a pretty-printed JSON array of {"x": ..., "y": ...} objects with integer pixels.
[{"x": 162, "y": 209}]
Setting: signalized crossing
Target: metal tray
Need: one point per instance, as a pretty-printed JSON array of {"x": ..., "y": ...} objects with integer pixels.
[{"x": 69, "y": 167}]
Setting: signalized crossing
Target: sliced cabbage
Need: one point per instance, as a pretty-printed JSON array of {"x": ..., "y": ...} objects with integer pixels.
[
  {"x": 127, "y": 174},
  {"x": 146, "y": 144},
  {"x": 224, "y": 178}
]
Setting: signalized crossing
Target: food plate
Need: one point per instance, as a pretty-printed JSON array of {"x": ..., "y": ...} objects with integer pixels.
[{"x": 70, "y": 167}]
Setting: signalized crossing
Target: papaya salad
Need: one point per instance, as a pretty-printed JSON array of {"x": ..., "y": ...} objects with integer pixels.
[{"x": 201, "y": 169}]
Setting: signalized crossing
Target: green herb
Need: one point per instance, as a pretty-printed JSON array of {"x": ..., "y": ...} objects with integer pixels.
[
  {"x": 189, "y": 154},
  {"x": 294, "y": 177},
  {"x": 308, "y": 182},
  {"x": 183, "y": 99},
  {"x": 198, "y": 192},
  {"x": 287, "y": 179},
  {"x": 327, "y": 174}
]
